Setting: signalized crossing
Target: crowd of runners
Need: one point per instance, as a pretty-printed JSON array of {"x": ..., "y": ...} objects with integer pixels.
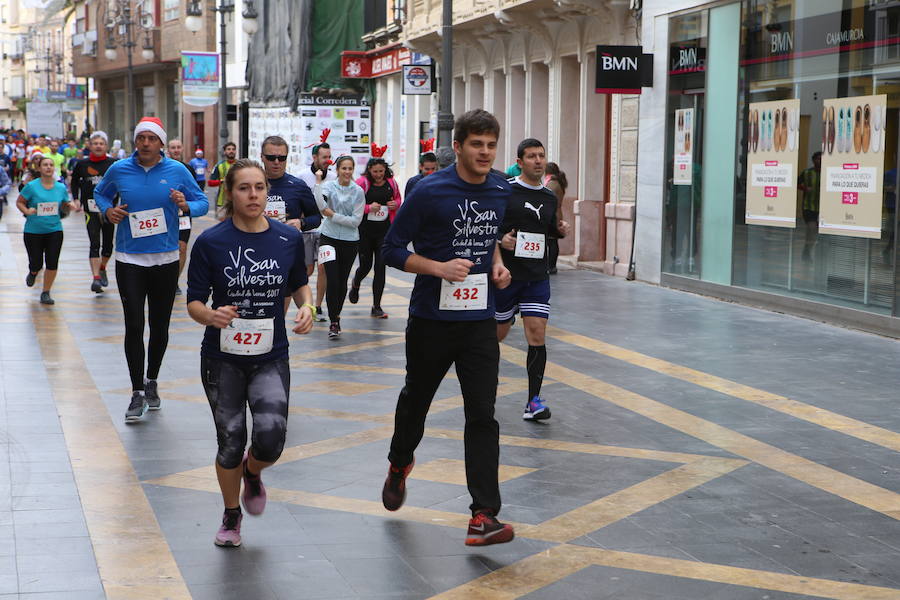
[{"x": 482, "y": 243}]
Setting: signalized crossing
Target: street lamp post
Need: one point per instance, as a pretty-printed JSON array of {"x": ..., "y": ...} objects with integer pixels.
[
  {"x": 195, "y": 23},
  {"x": 119, "y": 23},
  {"x": 445, "y": 99}
]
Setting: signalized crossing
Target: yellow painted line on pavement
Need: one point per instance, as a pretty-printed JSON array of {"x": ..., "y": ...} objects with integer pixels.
[
  {"x": 548, "y": 567},
  {"x": 133, "y": 557},
  {"x": 633, "y": 499},
  {"x": 810, "y": 472},
  {"x": 800, "y": 410}
]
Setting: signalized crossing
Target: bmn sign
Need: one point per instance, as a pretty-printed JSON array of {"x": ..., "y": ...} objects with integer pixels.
[{"x": 623, "y": 69}]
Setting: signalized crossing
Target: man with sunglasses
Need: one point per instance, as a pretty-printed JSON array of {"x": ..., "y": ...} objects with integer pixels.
[{"x": 290, "y": 200}]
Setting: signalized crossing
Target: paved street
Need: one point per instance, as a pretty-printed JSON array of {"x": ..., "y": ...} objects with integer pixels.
[{"x": 697, "y": 449}]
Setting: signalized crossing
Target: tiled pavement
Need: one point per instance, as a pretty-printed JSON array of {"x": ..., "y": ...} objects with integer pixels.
[{"x": 697, "y": 449}]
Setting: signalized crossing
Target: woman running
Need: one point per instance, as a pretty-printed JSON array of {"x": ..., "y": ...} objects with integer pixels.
[
  {"x": 382, "y": 202},
  {"x": 43, "y": 201},
  {"x": 341, "y": 203},
  {"x": 253, "y": 266}
]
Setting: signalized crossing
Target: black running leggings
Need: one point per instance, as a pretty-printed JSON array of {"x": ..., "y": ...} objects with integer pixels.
[
  {"x": 370, "y": 241},
  {"x": 336, "y": 273},
  {"x": 99, "y": 232},
  {"x": 231, "y": 387},
  {"x": 154, "y": 286},
  {"x": 41, "y": 248}
]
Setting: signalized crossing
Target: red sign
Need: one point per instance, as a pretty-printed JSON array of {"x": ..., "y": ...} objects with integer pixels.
[
  {"x": 850, "y": 198},
  {"x": 770, "y": 191},
  {"x": 374, "y": 63}
]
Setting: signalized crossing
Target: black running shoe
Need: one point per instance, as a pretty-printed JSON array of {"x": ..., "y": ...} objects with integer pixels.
[
  {"x": 104, "y": 280},
  {"x": 96, "y": 286},
  {"x": 334, "y": 331},
  {"x": 46, "y": 299},
  {"x": 353, "y": 296},
  {"x": 485, "y": 529},
  {"x": 393, "y": 494},
  {"x": 137, "y": 408},
  {"x": 29, "y": 279},
  {"x": 151, "y": 393}
]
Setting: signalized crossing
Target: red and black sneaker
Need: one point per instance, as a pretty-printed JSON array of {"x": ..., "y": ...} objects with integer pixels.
[
  {"x": 394, "y": 491},
  {"x": 485, "y": 529}
]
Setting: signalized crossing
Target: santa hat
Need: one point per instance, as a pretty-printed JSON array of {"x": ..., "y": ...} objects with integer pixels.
[
  {"x": 100, "y": 134},
  {"x": 151, "y": 125}
]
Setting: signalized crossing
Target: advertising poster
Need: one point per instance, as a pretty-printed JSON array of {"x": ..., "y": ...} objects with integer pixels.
[
  {"x": 200, "y": 78},
  {"x": 45, "y": 118},
  {"x": 853, "y": 141},
  {"x": 684, "y": 147},
  {"x": 348, "y": 118},
  {"x": 773, "y": 145}
]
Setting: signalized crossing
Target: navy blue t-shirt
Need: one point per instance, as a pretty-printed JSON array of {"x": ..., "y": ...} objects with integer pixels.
[
  {"x": 298, "y": 200},
  {"x": 447, "y": 218},
  {"x": 254, "y": 272}
]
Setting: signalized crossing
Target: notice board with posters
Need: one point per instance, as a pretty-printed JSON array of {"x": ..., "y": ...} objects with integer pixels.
[
  {"x": 853, "y": 139},
  {"x": 348, "y": 117},
  {"x": 773, "y": 144}
]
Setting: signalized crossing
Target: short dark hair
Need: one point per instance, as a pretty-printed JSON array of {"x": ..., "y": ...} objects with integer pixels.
[
  {"x": 232, "y": 144},
  {"x": 477, "y": 121},
  {"x": 526, "y": 144},
  {"x": 274, "y": 140},
  {"x": 318, "y": 147},
  {"x": 427, "y": 157}
]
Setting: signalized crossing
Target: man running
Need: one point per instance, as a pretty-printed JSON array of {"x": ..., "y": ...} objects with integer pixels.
[
  {"x": 427, "y": 166},
  {"x": 199, "y": 166},
  {"x": 453, "y": 219},
  {"x": 530, "y": 219},
  {"x": 85, "y": 176},
  {"x": 175, "y": 150},
  {"x": 153, "y": 190},
  {"x": 217, "y": 176},
  {"x": 321, "y": 161},
  {"x": 289, "y": 200},
  {"x": 59, "y": 161}
]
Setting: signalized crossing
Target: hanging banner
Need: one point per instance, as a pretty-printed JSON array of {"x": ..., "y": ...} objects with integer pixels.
[
  {"x": 773, "y": 145},
  {"x": 853, "y": 142},
  {"x": 682, "y": 173},
  {"x": 200, "y": 78}
]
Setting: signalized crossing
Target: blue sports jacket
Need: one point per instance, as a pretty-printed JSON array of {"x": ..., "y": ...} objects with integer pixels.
[{"x": 143, "y": 189}]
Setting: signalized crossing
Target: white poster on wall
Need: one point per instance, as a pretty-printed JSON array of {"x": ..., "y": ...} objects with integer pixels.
[
  {"x": 683, "y": 167},
  {"x": 45, "y": 118},
  {"x": 347, "y": 119}
]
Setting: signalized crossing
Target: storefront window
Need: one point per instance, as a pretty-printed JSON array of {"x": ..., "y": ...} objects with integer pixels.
[
  {"x": 684, "y": 134},
  {"x": 815, "y": 195}
]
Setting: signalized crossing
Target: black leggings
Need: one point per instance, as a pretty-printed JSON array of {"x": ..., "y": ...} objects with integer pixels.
[
  {"x": 230, "y": 387},
  {"x": 154, "y": 286},
  {"x": 370, "y": 247},
  {"x": 99, "y": 232},
  {"x": 43, "y": 247},
  {"x": 336, "y": 273}
]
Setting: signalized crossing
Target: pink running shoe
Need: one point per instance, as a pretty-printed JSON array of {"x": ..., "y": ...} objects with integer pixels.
[
  {"x": 254, "y": 495},
  {"x": 229, "y": 534}
]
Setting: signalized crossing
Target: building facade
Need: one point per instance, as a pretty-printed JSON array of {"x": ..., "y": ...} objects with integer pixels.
[
  {"x": 741, "y": 211},
  {"x": 35, "y": 63},
  {"x": 532, "y": 64},
  {"x": 159, "y": 36}
]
